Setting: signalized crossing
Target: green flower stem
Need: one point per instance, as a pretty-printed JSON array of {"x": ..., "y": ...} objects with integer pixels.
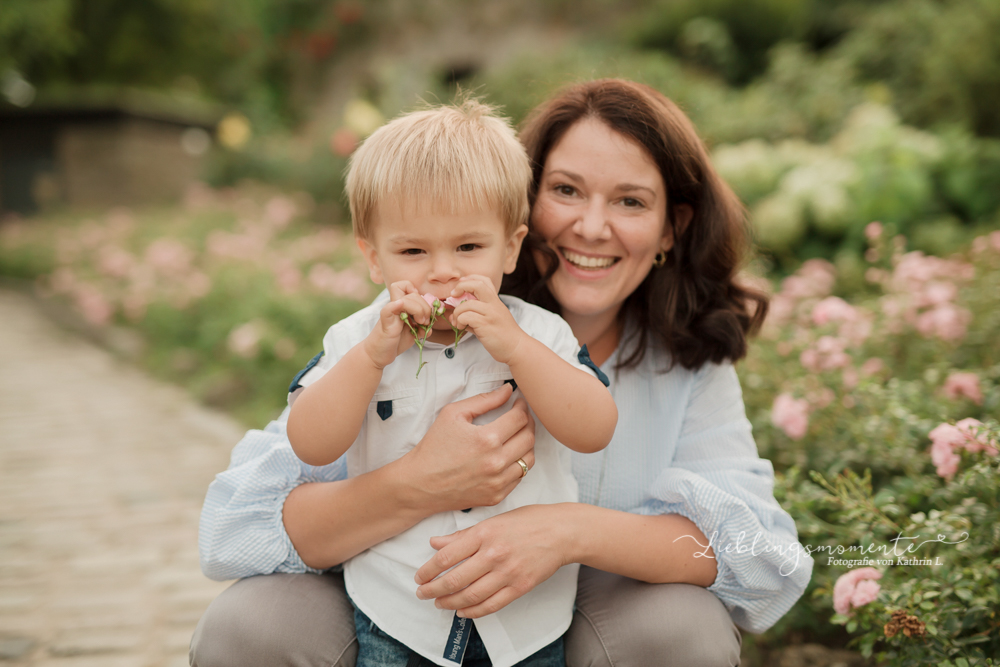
[{"x": 437, "y": 308}]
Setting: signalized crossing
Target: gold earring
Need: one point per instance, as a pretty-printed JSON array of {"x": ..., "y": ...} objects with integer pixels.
[{"x": 660, "y": 259}]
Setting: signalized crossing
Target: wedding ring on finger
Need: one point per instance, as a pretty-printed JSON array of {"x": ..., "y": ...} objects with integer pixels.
[{"x": 524, "y": 467}]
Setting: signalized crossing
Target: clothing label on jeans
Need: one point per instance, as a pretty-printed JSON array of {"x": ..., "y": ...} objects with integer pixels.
[{"x": 458, "y": 639}]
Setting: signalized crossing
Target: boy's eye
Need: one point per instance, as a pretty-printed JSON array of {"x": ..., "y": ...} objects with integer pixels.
[
  {"x": 412, "y": 251},
  {"x": 467, "y": 247}
]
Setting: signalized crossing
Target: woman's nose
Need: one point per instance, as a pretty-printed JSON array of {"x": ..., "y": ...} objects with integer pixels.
[{"x": 593, "y": 221}]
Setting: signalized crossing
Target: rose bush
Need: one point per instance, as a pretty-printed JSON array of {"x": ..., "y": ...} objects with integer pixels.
[
  {"x": 230, "y": 294},
  {"x": 879, "y": 410},
  {"x": 876, "y": 401}
]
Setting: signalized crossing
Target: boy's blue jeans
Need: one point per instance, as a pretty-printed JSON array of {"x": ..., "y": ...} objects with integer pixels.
[{"x": 377, "y": 649}]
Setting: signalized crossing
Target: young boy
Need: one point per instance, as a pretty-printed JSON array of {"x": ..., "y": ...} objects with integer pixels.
[{"x": 439, "y": 203}]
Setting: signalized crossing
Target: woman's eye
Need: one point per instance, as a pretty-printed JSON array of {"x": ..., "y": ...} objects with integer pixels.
[
  {"x": 567, "y": 190},
  {"x": 467, "y": 247},
  {"x": 631, "y": 202}
]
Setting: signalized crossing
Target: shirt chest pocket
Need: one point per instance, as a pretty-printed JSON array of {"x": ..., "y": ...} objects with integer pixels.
[
  {"x": 487, "y": 383},
  {"x": 392, "y": 427}
]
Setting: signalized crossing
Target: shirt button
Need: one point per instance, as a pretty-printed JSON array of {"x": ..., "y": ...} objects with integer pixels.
[{"x": 449, "y": 352}]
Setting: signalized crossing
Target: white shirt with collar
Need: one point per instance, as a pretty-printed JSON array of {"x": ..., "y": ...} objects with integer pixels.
[{"x": 380, "y": 580}]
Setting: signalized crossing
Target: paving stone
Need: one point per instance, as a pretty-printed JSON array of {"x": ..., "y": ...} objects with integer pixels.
[
  {"x": 15, "y": 648},
  {"x": 94, "y": 643},
  {"x": 96, "y": 661},
  {"x": 102, "y": 474}
]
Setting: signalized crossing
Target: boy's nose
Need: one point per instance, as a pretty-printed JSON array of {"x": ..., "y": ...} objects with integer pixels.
[{"x": 444, "y": 270}]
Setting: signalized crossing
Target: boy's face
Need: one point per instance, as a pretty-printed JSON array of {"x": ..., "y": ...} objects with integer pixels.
[{"x": 434, "y": 249}]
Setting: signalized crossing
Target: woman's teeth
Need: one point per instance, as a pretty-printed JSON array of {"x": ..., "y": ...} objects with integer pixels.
[{"x": 588, "y": 262}]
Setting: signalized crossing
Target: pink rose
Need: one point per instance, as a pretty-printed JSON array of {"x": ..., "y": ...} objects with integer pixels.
[
  {"x": 947, "y": 438},
  {"x": 946, "y": 321},
  {"x": 944, "y": 458},
  {"x": 456, "y": 301},
  {"x": 865, "y": 592},
  {"x": 833, "y": 309},
  {"x": 855, "y": 588},
  {"x": 974, "y": 442},
  {"x": 873, "y": 230},
  {"x": 872, "y": 366},
  {"x": 791, "y": 415},
  {"x": 964, "y": 384}
]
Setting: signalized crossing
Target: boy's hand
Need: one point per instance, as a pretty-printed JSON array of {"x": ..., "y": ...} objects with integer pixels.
[
  {"x": 391, "y": 336},
  {"x": 488, "y": 318}
]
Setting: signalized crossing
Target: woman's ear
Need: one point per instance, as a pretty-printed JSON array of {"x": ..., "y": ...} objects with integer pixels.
[
  {"x": 682, "y": 218},
  {"x": 514, "y": 248},
  {"x": 374, "y": 270}
]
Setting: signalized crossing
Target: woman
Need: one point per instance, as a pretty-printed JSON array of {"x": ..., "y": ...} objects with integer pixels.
[{"x": 636, "y": 242}]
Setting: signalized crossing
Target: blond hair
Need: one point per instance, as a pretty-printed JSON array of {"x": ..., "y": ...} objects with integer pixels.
[{"x": 452, "y": 156}]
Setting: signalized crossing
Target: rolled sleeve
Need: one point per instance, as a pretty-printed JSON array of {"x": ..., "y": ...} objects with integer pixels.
[
  {"x": 720, "y": 483},
  {"x": 241, "y": 532}
]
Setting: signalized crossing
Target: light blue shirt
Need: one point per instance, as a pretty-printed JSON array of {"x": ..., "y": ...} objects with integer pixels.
[{"x": 683, "y": 445}]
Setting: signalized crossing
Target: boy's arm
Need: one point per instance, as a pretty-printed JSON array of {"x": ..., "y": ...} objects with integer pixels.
[
  {"x": 327, "y": 416},
  {"x": 573, "y": 405}
]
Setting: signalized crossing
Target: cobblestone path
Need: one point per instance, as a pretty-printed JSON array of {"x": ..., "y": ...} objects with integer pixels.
[{"x": 102, "y": 475}]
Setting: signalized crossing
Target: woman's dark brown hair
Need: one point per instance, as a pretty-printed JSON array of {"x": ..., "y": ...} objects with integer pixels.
[{"x": 693, "y": 306}]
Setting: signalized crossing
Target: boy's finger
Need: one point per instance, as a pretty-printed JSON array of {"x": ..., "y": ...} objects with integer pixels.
[
  {"x": 417, "y": 308},
  {"x": 479, "y": 286},
  {"x": 401, "y": 288}
]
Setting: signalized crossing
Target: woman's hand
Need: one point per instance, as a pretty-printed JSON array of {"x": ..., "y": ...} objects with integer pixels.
[
  {"x": 459, "y": 464},
  {"x": 504, "y": 557},
  {"x": 456, "y": 465}
]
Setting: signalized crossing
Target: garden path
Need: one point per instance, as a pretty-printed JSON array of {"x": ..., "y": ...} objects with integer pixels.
[{"x": 102, "y": 475}]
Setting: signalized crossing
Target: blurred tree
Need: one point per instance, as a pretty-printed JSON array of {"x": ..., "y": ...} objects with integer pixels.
[
  {"x": 258, "y": 54},
  {"x": 941, "y": 60},
  {"x": 34, "y": 31}
]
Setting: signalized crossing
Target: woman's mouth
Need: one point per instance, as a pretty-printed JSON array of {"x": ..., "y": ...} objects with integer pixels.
[{"x": 586, "y": 262}]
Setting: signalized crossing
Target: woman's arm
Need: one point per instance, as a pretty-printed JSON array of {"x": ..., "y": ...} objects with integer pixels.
[
  {"x": 524, "y": 547},
  {"x": 329, "y": 523},
  {"x": 715, "y": 483},
  {"x": 269, "y": 512}
]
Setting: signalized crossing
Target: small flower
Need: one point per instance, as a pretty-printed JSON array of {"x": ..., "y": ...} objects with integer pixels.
[
  {"x": 437, "y": 306},
  {"x": 947, "y": 438},
  {"x": 966, "y": 385},
  {"x": 833, "y": 309},
  {"x": 872, "y": 366},
  {"x": 791, "y": 415},
  {"x": 873, "y": 231},
  {"x": 456, "y": 301},
  {"x": 855, "y": 589},
  {"x": 244, "y": 340},
  {"x": 973, "y": 441},
  {"x": 279, "y": 211}
]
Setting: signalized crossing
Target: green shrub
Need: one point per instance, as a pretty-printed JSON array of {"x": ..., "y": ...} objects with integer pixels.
[{"x": 848, "y": 401}]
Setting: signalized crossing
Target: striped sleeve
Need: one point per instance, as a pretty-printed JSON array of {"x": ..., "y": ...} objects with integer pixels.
[
  {"x": 720, "y": 483},
  {"x": 241, "y": 532}
]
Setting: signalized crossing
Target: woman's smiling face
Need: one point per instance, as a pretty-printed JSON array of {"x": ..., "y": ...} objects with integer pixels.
[{"x": 602, "y": 206}]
